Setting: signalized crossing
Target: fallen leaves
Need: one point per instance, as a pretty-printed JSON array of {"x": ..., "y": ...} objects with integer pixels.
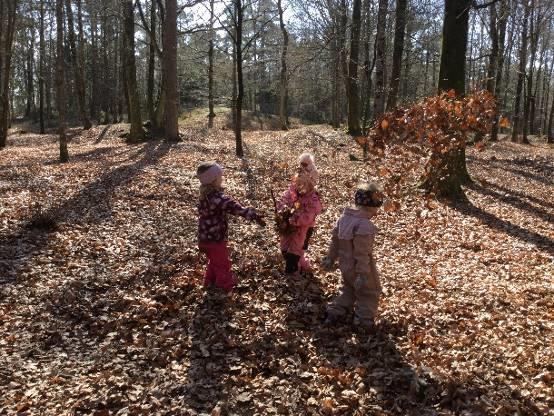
[{"x": 105, "y": 314}]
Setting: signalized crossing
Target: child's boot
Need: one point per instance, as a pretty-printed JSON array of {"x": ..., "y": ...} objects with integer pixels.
[
  {"x": 364, "y": 326},
  {"x": 291, "y": 264}
]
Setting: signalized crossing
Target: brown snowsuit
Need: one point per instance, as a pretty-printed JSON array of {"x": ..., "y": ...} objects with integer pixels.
[{"x": 352, "y": 244}]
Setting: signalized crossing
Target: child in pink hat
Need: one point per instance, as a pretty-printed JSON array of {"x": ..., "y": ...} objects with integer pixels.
[
  {"x": 213, "y": 208},
  {"x": 299, "y": 207}
]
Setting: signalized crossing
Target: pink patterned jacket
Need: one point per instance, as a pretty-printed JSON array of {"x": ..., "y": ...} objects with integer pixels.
[{"x": 306, "y": 208}]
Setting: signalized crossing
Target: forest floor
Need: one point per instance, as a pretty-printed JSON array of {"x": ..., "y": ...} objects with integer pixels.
[{"x": 102, "y": 310}]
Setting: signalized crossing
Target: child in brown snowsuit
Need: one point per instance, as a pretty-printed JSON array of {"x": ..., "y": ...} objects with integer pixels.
[{"x": 352, "y": 245}]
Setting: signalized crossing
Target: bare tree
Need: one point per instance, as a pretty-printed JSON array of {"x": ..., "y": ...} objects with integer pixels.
[
  {"x": 8, "y": 13},
  {"x": 238, "y": 17},
  {"x": 170, "y": 71},
  {"x": 352, "y": 80},
  {"x": 77, "y": 67},
  {"x": 400, "y": 28},
  {"x": 211, "y": 114},
  {"x": 283, "y": 90},
  {"x": 60, "y": 81},
  {"x": 380, "y": 75},
  {"x": 136, "y": 132},
  {"x": 41, "y": 75},
  {"x": 498, "y": 25}
]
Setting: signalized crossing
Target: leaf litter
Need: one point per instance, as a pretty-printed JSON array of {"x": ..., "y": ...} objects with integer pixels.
[{"x": 102, "y": 310}]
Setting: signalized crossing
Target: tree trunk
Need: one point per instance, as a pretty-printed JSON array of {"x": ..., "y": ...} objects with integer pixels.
[
  {"x": 449, "y": 170},
  {"x": 77, "y": 68},
  {"x": 211, "y": 113},
  {"x": 353, "y": 82},
  {"x": 42, "y": 48},
  {"x": 105, "y": 66},
  {"x": 517, "y": 122},
  {"x": 234, "y": 84},
  {"x": 400, "y": 28},
  {"x": 29, "y": 79},
  {"x": 94, "y": 64},
  {"x": 151, "y": 64},
  {"x": 368, "y": 65},
  {"x": 529, "y": 98},
  {"x": 283, "y": 90},
  {"x": 500, "y": 28},
  {"x": 60, "y": 81},
  {"x": 240, "y": 85},
  {"x": 335, "y": 50},
  {"x": 406, "y": 93},
  {"x": 493, "y": 58},
  {"x": 8, "y": 14},
  {"x": 550, "y": 131},
  {"x": 171, "y": 123},
  {"x": 343, "y": 19},
  {"x": 546, "y": 96},
  {"x": 50, "y": 83},
  {"x": 380, "y": 43},
  {"x": 136, "y": 132},
  {"x": 454, "y": 46}
]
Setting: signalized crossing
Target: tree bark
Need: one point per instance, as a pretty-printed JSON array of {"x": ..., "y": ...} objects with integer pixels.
[
  {"x": 517, "y": 121},
  {"x": 94, "y": 64},
  {"x": 550, "y": 130},
  {"x": 528, "y": 122},
  {"x": 211, "y": 113},
  {"x": 42, "y": 51},
  {"x": 343, "y": 19},
  {"x": 136, "y": 132},
  {"x": 240, "y": 84},
  {"x": 450, "y": 169},
  {"x": 8, "y": 14},
  {"x": 60, "y": 82},
  {"x": 400, "y": 28},
  {"x": 77, "y": 68},
  {"x": 546, "y": 96},
  {"x": 353, "y": 82},
  {"x": 454, "y": 46},
  {"x": 500, "y": 24},
  {"x": 335, "y": 50},
  {"x": 283, "y": 87},
  {"x": 29, "y": 71},
  {"x": 368, "y": 65},
  {"x": 171, "y": 125},
  {"x": 380, "y": 43},
  {"x": 151, "y": 64}
]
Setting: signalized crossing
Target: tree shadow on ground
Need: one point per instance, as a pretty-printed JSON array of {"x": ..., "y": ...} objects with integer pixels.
[
  {"x": 372, "y": 366},
  {"x": 539, "y": 171},
  {"x": 92, "y": 204},
  {"x": 103, "y": 134},
  {"x": 211, "y": 354},
  {"x": 519, "y": 195},
  {"x": 514, "y": 201},
  {"x": 542, "y": 242}
]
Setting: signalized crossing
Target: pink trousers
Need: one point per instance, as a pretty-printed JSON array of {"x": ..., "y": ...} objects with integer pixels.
[{"x": 219, "y": 265}]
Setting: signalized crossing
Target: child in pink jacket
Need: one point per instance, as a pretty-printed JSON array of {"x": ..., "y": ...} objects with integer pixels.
[
  {"x": 213, "y": 208},
  {"x": 302, "y": 203},
  {"x": 352, "y": 246}
]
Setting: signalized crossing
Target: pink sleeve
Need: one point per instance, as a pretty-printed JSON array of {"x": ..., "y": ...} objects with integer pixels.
[{"x": 287, "y": 200}]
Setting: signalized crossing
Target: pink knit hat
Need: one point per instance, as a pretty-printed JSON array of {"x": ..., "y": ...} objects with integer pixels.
[
  {"x": 208, "y": 172},
  {"x": 307, "y": 168}
]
